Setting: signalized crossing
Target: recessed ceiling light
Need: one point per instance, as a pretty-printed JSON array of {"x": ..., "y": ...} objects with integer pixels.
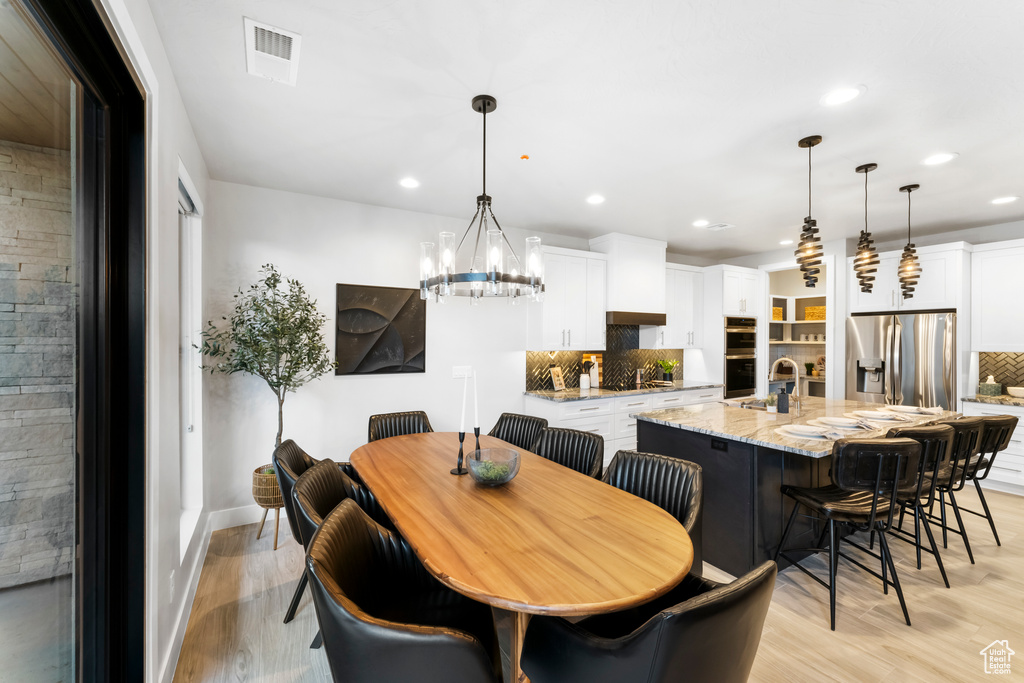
[
  {"x": 841, "y": 96},
  {"x": 1004, "y": 200},
  {"x": 786, "y": 243},
  {"x": 940, "y": 158},
  {"x": 409, "y": 183},
  {"x": 595, "y": 199},
  {"x": 700, "y": 224}
]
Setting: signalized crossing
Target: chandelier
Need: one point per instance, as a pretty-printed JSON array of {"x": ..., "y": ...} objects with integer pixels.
[
  {"x": 910, "y": 266},
  {"x": 865, "y": 263},
  {"x": 497, "y": 271},
  {"x": 809, "y": 252}
]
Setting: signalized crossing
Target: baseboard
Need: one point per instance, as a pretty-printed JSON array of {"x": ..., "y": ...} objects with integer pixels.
[
  {"x": 170, "y": 663},
  {"x": 240, "y": 516}
]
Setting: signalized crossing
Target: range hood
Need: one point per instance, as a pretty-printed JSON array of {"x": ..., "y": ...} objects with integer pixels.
[
  {"x": 636, "y": 278},
  {"x": 634, "y": 318}
]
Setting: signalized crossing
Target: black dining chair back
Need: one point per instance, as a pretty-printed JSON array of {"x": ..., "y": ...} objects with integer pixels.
[
  {"x": 521, "y": 431},
  {"x": 290, "y": 462},
  {"x": 396, "y": 424},
  {"x": 572, "y": 448},
  {"x": 384, "y": 618},
  {"x": 674, "y": 485},
  {"x": 321, "y": 488},
  {"x": 701, "y": 631}
]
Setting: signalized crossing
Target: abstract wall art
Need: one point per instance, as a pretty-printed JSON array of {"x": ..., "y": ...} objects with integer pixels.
[{"x": 379, "y": 330}]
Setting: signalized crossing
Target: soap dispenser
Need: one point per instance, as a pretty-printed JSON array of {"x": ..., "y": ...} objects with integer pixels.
[{"x": 783, "y": 401}]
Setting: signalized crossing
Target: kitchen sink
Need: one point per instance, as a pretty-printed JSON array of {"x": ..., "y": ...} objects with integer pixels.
[{"x": 747, "y": 403}]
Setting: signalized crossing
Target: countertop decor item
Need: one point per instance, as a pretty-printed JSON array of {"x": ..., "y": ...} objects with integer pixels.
[
  {"x": 990, "y": 387},
  {"x": 865, "y": 263},
  {"x": 557, "y": 380},
  {"x": 809, "y": 251},
  {"x": 267, "y": 494},
  {"x": 1016, "y": 392},
  {"x": 494, "y": 466},
  {"x": 273, "y": 333},
  {"x": 910, "y": 266},
  {"x": 497, "y": 272},
  {"x": 770, "y": 403},
  {"x": 777, "y": 313},
  {"x": 814, "y": 313},
  {"x": 667, "y": 366}
]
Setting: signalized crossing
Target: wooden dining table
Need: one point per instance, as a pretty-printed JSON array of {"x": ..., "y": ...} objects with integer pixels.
[{"x": 551, "y": 541}]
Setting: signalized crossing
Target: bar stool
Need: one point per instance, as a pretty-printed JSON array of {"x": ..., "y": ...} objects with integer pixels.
[
  {"x": 936, "y": 442},
  {"x": 996, "y": 437},
  {"x": 866, "y": 477},
  {"x": 967, "y": 434}
]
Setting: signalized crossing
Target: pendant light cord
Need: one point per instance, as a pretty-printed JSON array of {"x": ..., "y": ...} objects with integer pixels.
[
  {"x": 865, "y": 202},
  {"x": 809, "y": 148},
  {"x": 908, "y": 217},
  {"x": 484, "y": 106}
]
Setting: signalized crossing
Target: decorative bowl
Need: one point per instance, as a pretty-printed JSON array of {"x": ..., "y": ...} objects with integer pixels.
[
  {"x": 493, "y": 466},
  {"x": 1017, "y": 392}
]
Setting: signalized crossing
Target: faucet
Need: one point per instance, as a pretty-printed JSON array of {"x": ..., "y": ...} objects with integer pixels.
[{"x": 795, "y": 396}]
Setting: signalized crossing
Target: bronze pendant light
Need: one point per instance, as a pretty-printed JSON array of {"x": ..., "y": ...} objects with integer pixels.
[
  {"x": 865, "y": 263},
  {"x": 809, "y": 252},
  {"x": 910, "y": 266}
]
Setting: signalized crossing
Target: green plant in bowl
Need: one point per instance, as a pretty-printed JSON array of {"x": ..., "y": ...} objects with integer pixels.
[
  {"x": 770, "y": 400},
  {"x": 493, "y": 466},
  {"x": 809, "y": 367}
]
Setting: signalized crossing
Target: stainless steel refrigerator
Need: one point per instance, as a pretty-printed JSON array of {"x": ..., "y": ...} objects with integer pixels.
[{"x": 907, "y": 359}]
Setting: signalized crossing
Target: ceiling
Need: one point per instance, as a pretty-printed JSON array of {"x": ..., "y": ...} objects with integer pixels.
[{"x": 674, "y": 111}]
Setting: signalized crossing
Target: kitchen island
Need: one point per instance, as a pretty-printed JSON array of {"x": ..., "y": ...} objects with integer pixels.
[{"x": 745, "y": 463}]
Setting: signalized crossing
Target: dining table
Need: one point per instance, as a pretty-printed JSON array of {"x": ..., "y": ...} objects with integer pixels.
[{"x": 551, "y": 541}]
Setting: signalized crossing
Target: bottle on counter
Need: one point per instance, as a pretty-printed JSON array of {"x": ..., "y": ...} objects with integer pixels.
[
  {"x": 595, "y": 375},
  {"x": 783, "y": 401}
]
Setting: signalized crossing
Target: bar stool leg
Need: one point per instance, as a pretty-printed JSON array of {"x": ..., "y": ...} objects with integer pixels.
[
  {"x": 988, "y": 514},
  {"x": 917, "y": 536},
  {"x": 833, "y": 571},
  {"x": 277, "y": 522},
  {"x": 935, "y": 548},
  {"x": 262, "y": 520},
  {"x": 887, "y": 556},
  {"x": 785, "y": 534},
  {"x": 942, "y": 511},
  {"x": 960, "y": 522}
]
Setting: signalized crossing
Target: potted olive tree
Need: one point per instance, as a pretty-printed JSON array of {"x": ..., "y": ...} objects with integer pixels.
[{"x": 273, "y": 333}]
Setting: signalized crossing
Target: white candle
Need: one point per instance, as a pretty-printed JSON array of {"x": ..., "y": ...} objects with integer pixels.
[
  {"x": 476, "y": 406},
  {"x": 462, "y": 420}
]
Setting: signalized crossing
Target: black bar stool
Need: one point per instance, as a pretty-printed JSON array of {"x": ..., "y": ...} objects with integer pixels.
[
  {"x": 866, "y": 477},
  {"x": 995, "y": 438},
  {"x": 967, "y": 434}
]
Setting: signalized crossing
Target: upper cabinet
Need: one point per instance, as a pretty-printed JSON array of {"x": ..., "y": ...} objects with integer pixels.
[
  {"x": 939, "y": 287},
  {"x": 684, "y": 311},
  {"x": 741, "y": 291},
  {"x": 997, "y": 320},
  {"x": 572, "y": 315}
]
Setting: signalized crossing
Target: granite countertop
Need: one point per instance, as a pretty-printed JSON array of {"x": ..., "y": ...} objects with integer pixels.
[
  {"x": 1004, "y": 400},
  {"x": 577, "y": 394},
  {"x": 758, "y": 427}
]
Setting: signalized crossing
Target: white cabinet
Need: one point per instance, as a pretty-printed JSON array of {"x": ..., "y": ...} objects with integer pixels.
[
  {"x": 740, "y": 291},
  {"x": 997, "y": 322},
  {"x": 940, "y": 284},
  {"x": 684, "y": 312},
  {"x": 572, "y": 315},
  {"x": 1008, "y": 467}
]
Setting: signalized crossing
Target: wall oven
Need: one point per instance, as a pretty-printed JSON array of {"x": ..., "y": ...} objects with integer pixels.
[{"x": 740, "y": 357}]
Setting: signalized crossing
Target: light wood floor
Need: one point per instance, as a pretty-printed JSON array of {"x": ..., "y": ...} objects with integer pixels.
[{"x": 235, "y": 632}]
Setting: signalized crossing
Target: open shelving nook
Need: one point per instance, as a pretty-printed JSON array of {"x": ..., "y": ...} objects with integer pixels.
[{"x": 794, "y": 323}]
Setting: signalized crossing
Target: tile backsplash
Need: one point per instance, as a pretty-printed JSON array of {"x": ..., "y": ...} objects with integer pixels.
[
  {"x": 1006, "y": 368},
  {"x": 621, "y": 357}
]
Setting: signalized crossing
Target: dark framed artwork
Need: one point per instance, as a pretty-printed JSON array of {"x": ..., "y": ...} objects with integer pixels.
[{"x": 380, "y": 330}]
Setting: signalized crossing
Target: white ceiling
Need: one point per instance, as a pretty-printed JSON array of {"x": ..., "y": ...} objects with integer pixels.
[{"x": 672, "y": 110}]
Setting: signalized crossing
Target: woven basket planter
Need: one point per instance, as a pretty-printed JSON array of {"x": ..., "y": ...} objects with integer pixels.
[{"x": 265, "y": 490}]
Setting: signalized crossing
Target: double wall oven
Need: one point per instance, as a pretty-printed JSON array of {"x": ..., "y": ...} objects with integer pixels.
[{"x": 740, "y": 357}]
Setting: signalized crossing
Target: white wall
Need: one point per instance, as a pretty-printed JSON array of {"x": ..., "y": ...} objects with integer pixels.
[
  {"x": 323, "y": 242},
  {"x": 169, "y": 136}
]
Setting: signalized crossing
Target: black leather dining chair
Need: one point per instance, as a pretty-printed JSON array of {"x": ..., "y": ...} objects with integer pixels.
[
  {"x": 701, "y": 631},
  {"x": 572, "y": 448},
  {"x": 521, "y": 431},
  {"x": 321, "y": 488},
  {"x": 674, "y": 485},
  {"x": 396, "y": 424},
  {"x": 384, "y": 618},
  {"x": 290, "y": 462}
]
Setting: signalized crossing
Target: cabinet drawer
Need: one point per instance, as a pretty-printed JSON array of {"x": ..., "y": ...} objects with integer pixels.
[
  {"x": 633, "y": 404},
  {"x": 575, "y": 409},
  {"x": 704, "y": 395},
  {"x": 676, "y": 398},
  {"x": 1008, "y": 460},
  {"x": 625, "y": 427},
  {"x": 602, "y": 425}
]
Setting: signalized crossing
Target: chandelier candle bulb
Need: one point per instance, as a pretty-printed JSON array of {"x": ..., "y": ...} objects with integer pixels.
[
  {"x": 494, "y": 258},
  {"x": 428, "y": 257}
]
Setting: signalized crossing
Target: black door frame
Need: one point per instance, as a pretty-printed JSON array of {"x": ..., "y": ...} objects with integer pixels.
[{"x": 110, "y": 430}]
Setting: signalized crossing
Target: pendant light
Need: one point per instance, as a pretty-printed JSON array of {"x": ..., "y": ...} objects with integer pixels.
[
  {"x": 910, "y": 266},
  {"x": 865, "y": 263},
  {"x": 809, "y": 252},
  {"x": 497, "y": 272}
]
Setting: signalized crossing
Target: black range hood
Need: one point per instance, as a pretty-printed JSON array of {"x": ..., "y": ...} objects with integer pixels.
[{"x": 631, "y": 318}]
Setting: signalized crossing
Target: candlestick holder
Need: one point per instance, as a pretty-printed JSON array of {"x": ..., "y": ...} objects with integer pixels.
[
  {"x": 476, "y": 431},
  {"x": 459, "y": 469}
]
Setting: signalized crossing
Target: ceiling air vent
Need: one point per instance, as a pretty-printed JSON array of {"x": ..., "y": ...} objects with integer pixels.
[
  {"x": 271, "y": 52},
  {"x": 715, "y": 227}
]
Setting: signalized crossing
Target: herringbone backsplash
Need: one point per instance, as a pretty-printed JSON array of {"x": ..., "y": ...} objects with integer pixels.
[
  {"x": 621, "y": 360},
  {"x": 1006, "y": 368}
]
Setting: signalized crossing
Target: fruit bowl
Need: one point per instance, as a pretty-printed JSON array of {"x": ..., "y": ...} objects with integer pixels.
[
  {"x": 1016, "y": 392},
  {"x": 493, "y": 466}
]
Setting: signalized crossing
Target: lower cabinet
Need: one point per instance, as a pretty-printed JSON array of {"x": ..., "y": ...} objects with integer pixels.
[
  {"x": 610, "y": 417},
  {"x": 1008, "y": 467}
]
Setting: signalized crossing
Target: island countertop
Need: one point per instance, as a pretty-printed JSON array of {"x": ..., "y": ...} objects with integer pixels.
[
  {"x": 758, "y": 427},
  {"x": 577, "y": 394}
]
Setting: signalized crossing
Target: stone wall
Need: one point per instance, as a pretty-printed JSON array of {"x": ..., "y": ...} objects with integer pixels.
[{"x": 37, "y": 357}]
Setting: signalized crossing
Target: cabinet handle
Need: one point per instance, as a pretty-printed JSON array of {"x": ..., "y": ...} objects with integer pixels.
[
  {"x": 706, "y": 395},
  {"x": 570, "y": 337},
  {"x": 583, "y": 410},
  {"x": 892, "y": 297},
  {"x": 563, "y": 337},
  {"x": 594, "y": 430},
  {"x": 629, "y": 405},
  {"x": 663, "y": 337},
  {"x": 669, "y": 400},
  {"x": 1014, "y": 440}
]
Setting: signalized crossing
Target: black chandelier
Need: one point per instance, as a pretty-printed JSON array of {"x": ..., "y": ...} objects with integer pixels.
[
  {"x": 496, "y": 273},
  {"x": 910, "y": 266},
  {"x": 865, "y": 263},
  {"x": 809, "y": 252}
]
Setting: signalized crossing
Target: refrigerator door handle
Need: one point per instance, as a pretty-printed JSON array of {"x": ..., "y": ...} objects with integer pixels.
[
  {"x": 948, "y": 361},
  {"x": 897, "y": 363},
  {"x": 888, "y": 364}
]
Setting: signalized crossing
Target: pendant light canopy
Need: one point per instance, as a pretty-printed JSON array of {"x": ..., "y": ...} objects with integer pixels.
[
  {"x": 910, "y": 266},
  {"x": 497, "y": 272},
  {"x": 809, "y": 252},
  {"x": 865, "y": 263}
]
